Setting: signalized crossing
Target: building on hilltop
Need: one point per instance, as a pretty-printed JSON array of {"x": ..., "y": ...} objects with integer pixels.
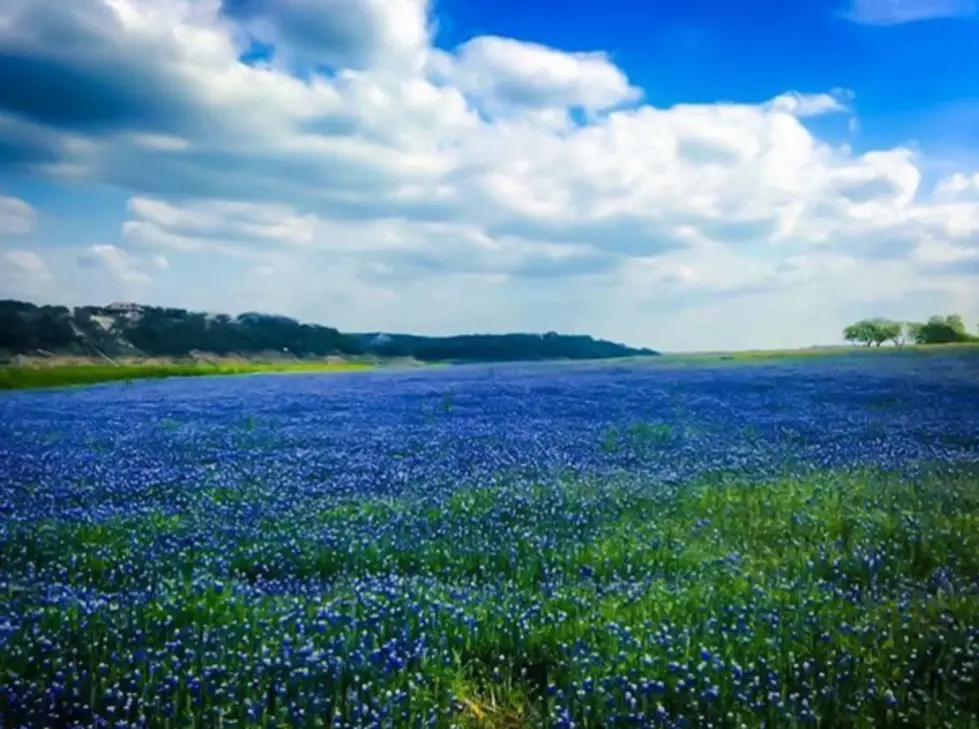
[{"x": 126, "y": 309}]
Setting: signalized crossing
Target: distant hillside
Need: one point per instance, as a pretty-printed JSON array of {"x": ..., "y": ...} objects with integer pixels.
[
  {"x": 495, "y": 347},
  {"x": 132, "y": 330}
]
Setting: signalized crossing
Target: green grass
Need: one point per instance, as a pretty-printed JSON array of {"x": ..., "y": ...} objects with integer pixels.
[
  {"x": 765, "y": 355},
  {"x": 26, "y": 377},
  {"x": 29, "y": 377}
]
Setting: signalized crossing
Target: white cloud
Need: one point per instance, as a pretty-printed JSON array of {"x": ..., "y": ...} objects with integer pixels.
[
  {"x": 117, "y": 263},
  {"x": 25, "y": 275},
  {"x": 958, "y": 187},
  {"x": 939, "y": 251},
  {"x": 340, "y": 33},
  {"x": 506, "y": 74},
  {"x": 239, "y": 219},
  {"x": 16, "y": 216},
  {"x": 257, "y": 231},
  {"x": 501, "y": 185},
  {"x": 28, "y": 262},
  {"x": 896, "y": 12},
  {"x": 804, "y": 105}
]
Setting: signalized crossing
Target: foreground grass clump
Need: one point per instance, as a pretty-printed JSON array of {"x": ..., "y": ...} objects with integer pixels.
[
  {"x": 24, "y": 377},
  {"x": 843, "y": 598}
]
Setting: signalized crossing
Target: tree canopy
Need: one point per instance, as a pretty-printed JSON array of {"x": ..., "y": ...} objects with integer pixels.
[
  {"x": 156, "y": 331},
  {"x": 874, "y": 331},
  {"x": 145, "y": 330},
  {"x": 497, "y": 347},
  {"x": 937, "y": 330}
]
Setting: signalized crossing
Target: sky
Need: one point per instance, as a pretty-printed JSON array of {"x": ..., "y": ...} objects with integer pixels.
[{"x": 686, "y": 176}]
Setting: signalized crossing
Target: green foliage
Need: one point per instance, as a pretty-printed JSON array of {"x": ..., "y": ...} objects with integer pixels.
[
  {"x": 19, "y": 378},
  {"x": 25, "y": 326},
  {"x": 940, "y": 330},
  {"x": 169, "y": 332},
  {"x": 937, "y": 330},
  {"x": 161, "y": 332},
  {"x": 875, "y": 331},
  {"x": 635, "y": 435},
  {"x": 176, "y": 332},
  {"x": 496, "y": 347}
]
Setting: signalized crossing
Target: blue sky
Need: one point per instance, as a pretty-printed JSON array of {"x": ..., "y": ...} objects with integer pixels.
[
  {"x": 679, "y": 175},
  {"x": 912, "y": 81}
]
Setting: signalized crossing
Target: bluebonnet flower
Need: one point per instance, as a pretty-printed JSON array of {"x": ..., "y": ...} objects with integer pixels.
[{"x": 352, "y": 556}]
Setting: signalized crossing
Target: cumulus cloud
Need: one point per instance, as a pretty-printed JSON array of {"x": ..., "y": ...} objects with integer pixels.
[
  {"x": 24, "y": 274},
  {"x": 117, "y": 263},
  {"x": 896, "y": 12},
  {"x": 79, "y": 66},
  {"x": 958, "y": 187},
  {"x": 505, "y": 74},
  {"x": 364, "y": 168},
  {"x": 16, "y": 216},
  {"x": 379, "y": 249},
  {"x": 220, "y": 217},
  {"x": 339, "y": 33},
  {"x": 29, "y": 263},
  {"x": 805, "y": 105}
]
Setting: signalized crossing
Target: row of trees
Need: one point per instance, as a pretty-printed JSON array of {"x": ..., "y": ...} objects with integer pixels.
[
  {"x": 146, "y": 330},
  {"x": 26, "y": 328},
  {"x": 176, "y": 332},
  {"x": 937, "y": 330}
]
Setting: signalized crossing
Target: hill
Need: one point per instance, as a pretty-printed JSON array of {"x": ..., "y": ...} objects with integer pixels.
[
  {"x": 495, "y": 347},
  {"x": 125, "y": 329}
]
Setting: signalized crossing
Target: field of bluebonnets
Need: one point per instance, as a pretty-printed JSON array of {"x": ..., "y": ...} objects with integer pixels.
[{"x": 789, "y": 544}]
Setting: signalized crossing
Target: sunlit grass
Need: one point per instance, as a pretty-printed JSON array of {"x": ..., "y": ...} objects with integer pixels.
[
  {"x": 24, "y": 377},
  {"x": 802, "y": 353}
]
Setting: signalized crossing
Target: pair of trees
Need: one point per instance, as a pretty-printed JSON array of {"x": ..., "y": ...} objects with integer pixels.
[
  {"x": 875, "y": 331},
  {"x": 937, "y": 330}
]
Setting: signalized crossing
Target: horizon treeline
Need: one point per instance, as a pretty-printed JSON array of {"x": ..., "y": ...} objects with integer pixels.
[
  {"x": 938, "y": 329},
  {"x": 126, "y": 329}
]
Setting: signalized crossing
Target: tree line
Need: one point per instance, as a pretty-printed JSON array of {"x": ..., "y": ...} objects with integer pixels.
[
  {"x": 937, "y": 330},
  {"x": 129, "y": 329},
  {"x": 499, "y": 347},
  {"x": 156, "y": 331}
]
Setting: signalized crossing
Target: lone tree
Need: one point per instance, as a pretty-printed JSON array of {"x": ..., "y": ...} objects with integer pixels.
[{"x": 875, "y": 331}]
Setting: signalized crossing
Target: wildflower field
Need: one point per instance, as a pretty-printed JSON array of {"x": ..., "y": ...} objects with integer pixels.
[{"x": 787, "y": 544}]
